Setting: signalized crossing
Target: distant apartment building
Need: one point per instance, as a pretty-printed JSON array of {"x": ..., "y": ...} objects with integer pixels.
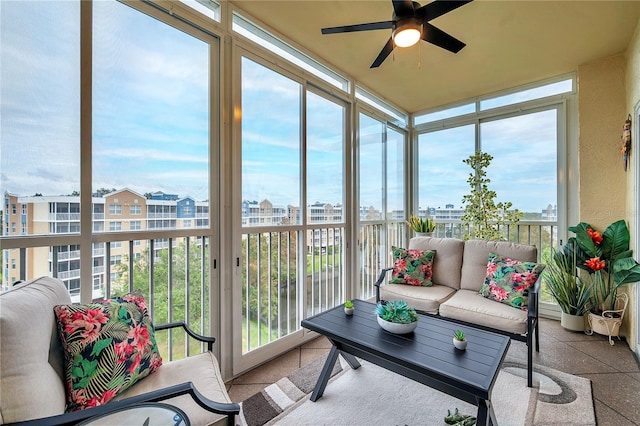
[{"x": 119, "y": 211}]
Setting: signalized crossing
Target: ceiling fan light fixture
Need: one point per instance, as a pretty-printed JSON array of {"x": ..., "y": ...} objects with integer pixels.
[{"x": 407, "y": 33}]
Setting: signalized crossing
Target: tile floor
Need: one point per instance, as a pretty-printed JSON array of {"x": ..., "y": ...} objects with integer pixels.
[{"x": 613, "y": 370}]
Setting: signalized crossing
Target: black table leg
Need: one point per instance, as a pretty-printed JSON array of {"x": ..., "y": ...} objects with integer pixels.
[
  {"x": 486, "y": 415},
  {"x": 351, "y": 360},
  {"x": 325, "y": 374}
]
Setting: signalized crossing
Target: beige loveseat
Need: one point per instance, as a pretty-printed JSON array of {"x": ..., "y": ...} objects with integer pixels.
[
  {"x": 459, "y": 269},
  {"x": 32, "y": 369}
]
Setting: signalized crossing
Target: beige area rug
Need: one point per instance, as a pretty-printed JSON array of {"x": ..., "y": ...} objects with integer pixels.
[{"x": 372, "y": 395}]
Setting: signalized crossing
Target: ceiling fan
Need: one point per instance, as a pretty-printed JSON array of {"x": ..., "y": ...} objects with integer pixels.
[{"x": 410, "y": 23}]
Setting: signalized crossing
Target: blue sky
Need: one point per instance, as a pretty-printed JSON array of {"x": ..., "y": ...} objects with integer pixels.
[{"x": 151, "y": 131}]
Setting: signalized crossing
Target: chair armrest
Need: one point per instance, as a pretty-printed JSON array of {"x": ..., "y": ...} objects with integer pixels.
[
  {"x": 228, "y": 409},
  {"x": 207, "y": 339},
  {"x": 379, "y": 282},
  {"x": 534, "y": 294}
]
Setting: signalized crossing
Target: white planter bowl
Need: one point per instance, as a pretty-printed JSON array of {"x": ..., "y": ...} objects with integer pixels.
[
  {"x": 460, "y": 344},
  {"x": 395, "y": 328}
]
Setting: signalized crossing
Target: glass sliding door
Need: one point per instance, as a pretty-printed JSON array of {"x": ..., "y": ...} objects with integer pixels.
[
  {"x": 292, "y": 208},
  {"x": 381, "y": 195}
]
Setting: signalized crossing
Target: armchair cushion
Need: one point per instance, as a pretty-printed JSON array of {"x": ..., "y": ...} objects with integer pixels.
[
  {"x": 413, "y": 267},
  {"x": 508, "y": 281},
  {"x": 31, "y": 369},
  {"x": 108, "y": 347}
]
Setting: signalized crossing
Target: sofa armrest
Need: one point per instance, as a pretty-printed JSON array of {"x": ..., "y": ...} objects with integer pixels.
[
  {"x": 206, "y": 339},
  {"x": 228, "y": 409},
  {"x": 379, "y": 282}
]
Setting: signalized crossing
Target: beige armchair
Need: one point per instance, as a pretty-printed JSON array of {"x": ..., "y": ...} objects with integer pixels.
[{"x": 32, "y": 368}]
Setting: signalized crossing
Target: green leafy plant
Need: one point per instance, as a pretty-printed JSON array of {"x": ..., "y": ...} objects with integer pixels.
[
  {"x": 569, "y": 290},
  {"x": 459, "y": 419},
  {"x": 396, "y": 311},
  {"x": 459, "y": 335},
  {"x": 348, "y": 304},
  {"x": 482, "y": 215},
  {"x": 607, "y": 259},
  {"x": 418, "y": 224}
]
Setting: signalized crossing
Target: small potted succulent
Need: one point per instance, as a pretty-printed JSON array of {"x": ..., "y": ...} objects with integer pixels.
[
  {"x": 348, "y": 307},
  {"x": 422, "y": 227},
  {"x": 459, "y": 340},
  {"x": 396, "y": 317}
]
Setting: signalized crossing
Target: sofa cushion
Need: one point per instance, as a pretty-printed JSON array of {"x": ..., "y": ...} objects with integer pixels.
[
  {"x": 470, "y": 306},
  {"x": 31, "y": 366},
  {"x": 476, "y": 253},
  {"x": 508, "y": 281},
  {"x": 108, "y": 346},
  {"x": 426, "y": 299},
  {"x": 412, "y": 266},
  {"x": 203, "y": 371},
  {"x": 448, "y": 261}
]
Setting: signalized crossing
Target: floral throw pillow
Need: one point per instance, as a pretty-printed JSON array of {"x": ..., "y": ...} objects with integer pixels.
[
  {"x": 413, "y": 267},
  {"x": 508, "y": 281},
  {"x": 109, "y": 346}
]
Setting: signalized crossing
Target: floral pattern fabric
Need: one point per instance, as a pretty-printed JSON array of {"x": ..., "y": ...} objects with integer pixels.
[
  {"x": 508, "y": 281},
  {"x": 109, "y": 346},
  {"x": 413, "y": 267}
]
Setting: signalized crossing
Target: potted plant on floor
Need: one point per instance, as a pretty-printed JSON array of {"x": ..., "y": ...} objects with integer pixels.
[
  {"x": 396, "y": 317},
  {"x": 459, "y": 340},
  {"x": 572, "y": 294},
  {"x": 422, "y": 227},
  {"x": 607, "y": 259}
]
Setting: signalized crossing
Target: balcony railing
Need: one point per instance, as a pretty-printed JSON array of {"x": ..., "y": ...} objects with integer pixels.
[{"x": 287, "y": 274}]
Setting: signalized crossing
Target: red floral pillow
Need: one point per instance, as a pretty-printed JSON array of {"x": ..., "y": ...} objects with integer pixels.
[
  {"x": 508, "y": 281},
  {"x": 109, "y": 346},
  {"x": 413, "y": 267}
]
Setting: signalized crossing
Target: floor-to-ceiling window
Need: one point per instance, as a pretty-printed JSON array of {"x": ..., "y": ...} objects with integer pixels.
[
  {"x": 381, "y": 169},
  {"x": 293, "y": 147},
  {"x": 525, "y": 133},
  {"x": 151, "y": 149}
]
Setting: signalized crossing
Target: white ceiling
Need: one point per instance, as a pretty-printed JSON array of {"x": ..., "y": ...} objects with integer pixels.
[{"x": 509, "y": 43}]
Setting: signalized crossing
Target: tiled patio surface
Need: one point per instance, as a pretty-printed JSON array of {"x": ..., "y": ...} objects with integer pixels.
[{"x": 613, "y": 370}]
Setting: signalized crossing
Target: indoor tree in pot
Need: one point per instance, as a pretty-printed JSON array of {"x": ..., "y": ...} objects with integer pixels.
[
  {"x": 396, "y": 317},
  {"x": 570, "y": 291},
  {"x": 607, "y": 259}
]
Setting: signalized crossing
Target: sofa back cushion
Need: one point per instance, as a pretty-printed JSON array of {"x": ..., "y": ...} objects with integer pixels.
[
  {"x": 476, "y": 256},
  {"x": 447, "y": 262},
  {"x": 31, "y": 367}
]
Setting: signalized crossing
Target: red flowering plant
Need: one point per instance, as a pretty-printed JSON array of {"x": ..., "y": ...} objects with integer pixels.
[{"x": 607, "y": 259}]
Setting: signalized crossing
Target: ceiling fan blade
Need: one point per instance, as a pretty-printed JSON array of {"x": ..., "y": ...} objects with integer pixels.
[
  {"x": 402, "y": 7},
  {"x": 382, "y": 25},
  {"x": 386, "y": 50},
  {"x": 438, "y": 37},
  {"x": 438, "y": 8}
]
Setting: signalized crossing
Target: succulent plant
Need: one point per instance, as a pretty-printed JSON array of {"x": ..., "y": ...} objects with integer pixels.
[
  {"x": 459, "y": 335},
  {"x": 348, "y": 304},
  {"x": 421, "y": 225},
  {"x": 396, "y": 311}
]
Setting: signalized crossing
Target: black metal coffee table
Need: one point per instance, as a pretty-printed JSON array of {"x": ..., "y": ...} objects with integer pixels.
[{"x": 426, "y": 355}]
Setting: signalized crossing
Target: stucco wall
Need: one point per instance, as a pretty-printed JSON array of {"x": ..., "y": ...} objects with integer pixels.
[
  {"x": 632, "y": 80},
  {"x": 602, "y": 110},
  {"x": 604, "y": 186}
]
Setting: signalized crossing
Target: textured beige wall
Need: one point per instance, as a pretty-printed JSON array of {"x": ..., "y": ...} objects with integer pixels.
[
  {"x": 602, "y": 106},
  {"x": 609, "y": 90},
  {"x": 632, "y": 79},
  {"x": 604, "y": 185}
]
